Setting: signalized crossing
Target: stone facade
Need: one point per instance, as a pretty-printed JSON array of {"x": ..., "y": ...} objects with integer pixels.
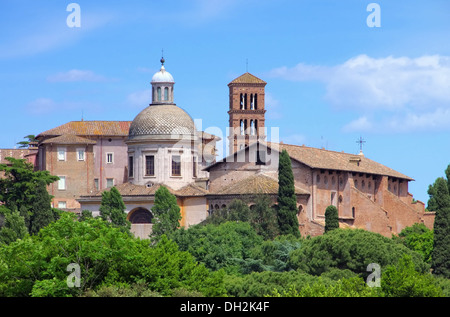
[
  {"x": 87, "y": 156},
  {"x": 367, "y": 194}
]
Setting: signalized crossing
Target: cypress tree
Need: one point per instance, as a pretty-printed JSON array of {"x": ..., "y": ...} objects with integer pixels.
[
  {"x": 287, "y": 201},
  {"x": 112, "y": 208},
  {"x": 41, "y": 209},
  {"x": 166, "y": 214},
  {"x": 331, "y": 218},
  {"x": 440, "y": 256}
]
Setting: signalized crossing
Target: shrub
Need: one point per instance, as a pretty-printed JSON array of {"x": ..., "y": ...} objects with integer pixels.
[{"x": 352, "y": 249}]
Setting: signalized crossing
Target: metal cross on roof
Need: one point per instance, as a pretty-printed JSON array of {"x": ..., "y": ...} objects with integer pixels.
[{"x": 361, "y": 141}]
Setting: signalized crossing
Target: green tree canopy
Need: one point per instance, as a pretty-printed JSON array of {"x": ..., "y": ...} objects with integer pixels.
[
  {"x": 166, "y": 214},
  {"x": 287, "y": 201},
  {"x": 29, "y": 139},
  {"x": 112, "y": 208},
  {"x": 440, "y": 203},
  {"x": 263, "y": 218},
  {"x": 418, "y": 238},
  {"x": 402, "y": 280},
  {"x": 440, "y": 255},
  {"x": 439, "y": 195},
  {"x": 41, "y": 210},
  {"x": 219, "y": 246},
  {"x": 37, "y": 265},
  {"x": 18, "y": 186},
  {"x": 331, "y": 218},
  {"x": 352, "y": 249},
  {"x": 13, "y": 228}
]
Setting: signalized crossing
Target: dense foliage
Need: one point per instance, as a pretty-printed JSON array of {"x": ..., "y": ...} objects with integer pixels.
[
  {"x": 107, "y": 257},
  {"x": 18, "y": 186},
  {"x": 24, "y": 190},
  {"x": 440, "y": 203},
  {"x": 287, "y": 201},
  {"x": 219, "y": 246},
  {"x": 238, "y": 251},
  {"x": 112, "y": 209},
  {"x": 331, "y": 218},
  {"x": 417, "y": 238},
  {"x": 261, "y": 216},
  {"x": 352, "y": 249},
  {"x": 166, "y": 213}
]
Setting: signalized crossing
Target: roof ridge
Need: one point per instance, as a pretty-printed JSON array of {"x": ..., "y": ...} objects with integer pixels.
[{"x": 244, "y": 79}]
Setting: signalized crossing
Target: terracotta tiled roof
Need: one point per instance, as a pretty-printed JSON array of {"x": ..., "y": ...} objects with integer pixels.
[
  {"x": 128, "y": 189},
  {"x": 256, "y": 184},
  {"x": 247, "y": 78},
  {"x": 90, "y": 128},
  {"x": 331, "y": 160},
  {"x": 191, "y": 190},
  {"x": 69, "y": 139},
  {"x": 14, "y": 153}
]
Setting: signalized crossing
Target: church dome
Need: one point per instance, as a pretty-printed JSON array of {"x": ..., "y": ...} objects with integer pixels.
[
  {"x": 167, "y": 121},
  {"x": 162, "y": 76}
]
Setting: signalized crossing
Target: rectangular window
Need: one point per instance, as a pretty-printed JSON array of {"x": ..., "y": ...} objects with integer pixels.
[
  {"x": 62, "y": 183},
  {"x": 96, "y": 184},
  {"x": 80, "y": 154},
  {"x": 130, "y": 166},
  {"x": 62, "y": 204},
  {"x": 109, "y": 158},
  {"x": 61, "y": 154},
  {"x": 194, "y": 166},
  {"x": 150, "y": 165},
  {"x": 176, "y": 165},
  {"x": 109, "y": 182}
]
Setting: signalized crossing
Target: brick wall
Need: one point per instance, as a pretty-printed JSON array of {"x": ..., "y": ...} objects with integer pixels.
[{"x": 77, "y": 173}]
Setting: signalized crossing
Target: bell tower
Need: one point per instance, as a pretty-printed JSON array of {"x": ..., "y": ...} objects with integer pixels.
[{"x": 247, "y": 112}]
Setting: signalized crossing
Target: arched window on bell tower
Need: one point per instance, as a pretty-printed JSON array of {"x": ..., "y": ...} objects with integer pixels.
[
  {"x": 241, "y": 98},
  {"x": 256, "y": 101},
  {"x": 166, "y": 94},
  {"x": 252, "y": 127},
  {"x": 242, "y": 127},
  {"x": 252, "y": 102},
  {"x": 159, "y": 93}
]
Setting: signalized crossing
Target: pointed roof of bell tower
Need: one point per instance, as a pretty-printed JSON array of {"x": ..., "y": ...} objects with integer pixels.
[{"x": 247, "y": 78}]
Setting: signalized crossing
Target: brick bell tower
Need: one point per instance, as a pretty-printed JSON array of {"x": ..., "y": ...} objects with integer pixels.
[{"x": 247, "y": 113}]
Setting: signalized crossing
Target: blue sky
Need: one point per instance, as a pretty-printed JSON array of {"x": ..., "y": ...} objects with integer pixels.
[{"x": 331, "y": 78}]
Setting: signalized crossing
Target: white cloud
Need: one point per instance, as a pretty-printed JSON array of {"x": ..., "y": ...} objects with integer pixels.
[
  {"x": 418, "y": 86},
  {"x": 361, "y": 124},
  {"x": 140, "y": 98},
  {"x": 76, "y": 75},
  {"x": 429, "y": 121}
]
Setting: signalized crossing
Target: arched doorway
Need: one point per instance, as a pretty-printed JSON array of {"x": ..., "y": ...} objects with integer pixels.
[
  {"x": 141, "y": 222},
  {"x": 140, "y": 215}
]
